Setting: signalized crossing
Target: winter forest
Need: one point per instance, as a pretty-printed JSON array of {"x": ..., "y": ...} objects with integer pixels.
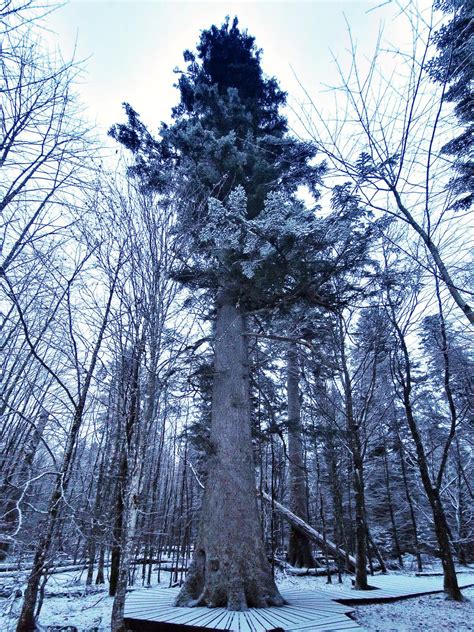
[{"x": 236, "y": 348}]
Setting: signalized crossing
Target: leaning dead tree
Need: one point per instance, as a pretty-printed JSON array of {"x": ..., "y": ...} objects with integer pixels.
[{"x": 308, "y": 531}]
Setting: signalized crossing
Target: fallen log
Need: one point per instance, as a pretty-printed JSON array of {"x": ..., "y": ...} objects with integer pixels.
[
  {"x": 54, "y": 570},
  {"x": 65, "y": 566},
  {"x": 302, "y": 572},
  {"x": 173, "y": 569},
  {"x": 311, "y": 533}
]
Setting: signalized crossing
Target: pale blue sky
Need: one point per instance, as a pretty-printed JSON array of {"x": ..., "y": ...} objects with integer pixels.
[{"x": 133, "y": 46}]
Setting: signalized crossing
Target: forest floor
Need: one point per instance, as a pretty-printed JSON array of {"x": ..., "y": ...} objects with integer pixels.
[
  {"x": 428, "y": 612},
  {"x": 69, "y": 603}
]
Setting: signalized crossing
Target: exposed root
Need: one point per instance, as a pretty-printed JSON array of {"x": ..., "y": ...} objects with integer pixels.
[{"x": 235, "y": 600}]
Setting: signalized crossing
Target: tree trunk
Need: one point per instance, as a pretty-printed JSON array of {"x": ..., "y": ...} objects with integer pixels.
[
  {"x": 26, "y": 620},
  {"x": 117, "y": 531},
  {"x": 230, "y": 566},
  {"x": 299, "y": 546},
  {"x": 396, "y": 541},
  {"x": 11, "y": 494},
  {"x": 411, "y": 507},
  {"x": 128, "y": 534},
  {"x": 132, "y": 460},
  {"x": 357, "y": 474},
  {"x": 338, "y": 514},
  {"x": 90, "y": 560},
  {"x": 100, "y": 579},
  {"x": 439, "y": 518},
  {"x": 372, "y": 544},
  {"x": 460, "y": 518}
]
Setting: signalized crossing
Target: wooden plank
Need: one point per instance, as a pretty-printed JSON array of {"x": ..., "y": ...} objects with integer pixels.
[
  {"x": 152, "y": 607},
  {"x": 346, "y": 624},
  {"x": 315, "y": 609},
  {"x": 276, "y": 617},
  {"x": 196, "y": 616},
  {"x": 246, "y": 623},
  {"x": 229, "y": 622},
  {"x": 223, "y": 621},
  {"x": 328, "y": 602},
  {"x": 321, "y": 612},
  {"x": 340, "y": 622}
]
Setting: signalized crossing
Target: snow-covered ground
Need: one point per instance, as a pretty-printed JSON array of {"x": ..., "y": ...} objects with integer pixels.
[
  {"x": 89, "y": 610},
  {"x": 429, "y": 612}
]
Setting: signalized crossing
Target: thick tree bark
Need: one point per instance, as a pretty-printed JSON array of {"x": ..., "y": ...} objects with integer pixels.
[
  {"x": 299, "y": 546},
  {"x": 230, "y": 566}
]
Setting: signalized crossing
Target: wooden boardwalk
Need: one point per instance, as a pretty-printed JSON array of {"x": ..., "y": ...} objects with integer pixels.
[
  {"x": 393, "y": 587},
  {"x": 317, "y": 609}
]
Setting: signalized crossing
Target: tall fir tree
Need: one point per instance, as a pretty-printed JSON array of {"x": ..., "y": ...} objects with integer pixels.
[{"x": 248, "y": 242}]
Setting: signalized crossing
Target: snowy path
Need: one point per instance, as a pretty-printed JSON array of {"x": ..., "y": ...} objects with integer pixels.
[{"x": 316, "y": 609}]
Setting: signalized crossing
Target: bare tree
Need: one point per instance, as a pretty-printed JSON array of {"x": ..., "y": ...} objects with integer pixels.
[
  {"x": 385, "y": 144},
  {"x": 401, "y": 307},
  {"x": 45, "y": 148},
  {"x": 63, "y": 477}
]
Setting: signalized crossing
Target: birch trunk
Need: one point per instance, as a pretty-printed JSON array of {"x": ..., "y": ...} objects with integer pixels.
[
  {"x": 26, "y": 620},
  {"x": 10, "y": 494}
]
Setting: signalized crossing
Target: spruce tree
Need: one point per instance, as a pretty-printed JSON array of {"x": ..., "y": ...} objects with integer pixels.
[
  {"x": 247, "y": 241},
  {"x": 454, "y": 68}
]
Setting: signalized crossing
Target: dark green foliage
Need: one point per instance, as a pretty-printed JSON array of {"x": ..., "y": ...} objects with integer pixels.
[
  {"x": 228, "y": 161},
  {"x": 460, "y": 364},
  {"x": 454, "y": 66},
  {"x": 228, "y": 130},
  {"x": 233, "y": 170},
  {"x": 229, "y": 59},
  {"x": 198, "y": 431},
  {"x": 268, "y": 401}
]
